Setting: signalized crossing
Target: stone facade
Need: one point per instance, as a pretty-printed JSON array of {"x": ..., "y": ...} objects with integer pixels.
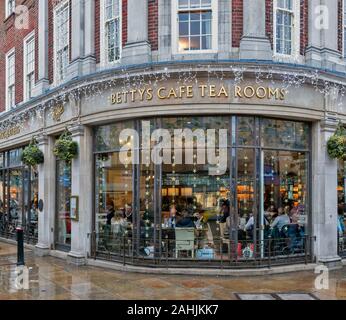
[{"x": 245, "y": 34}]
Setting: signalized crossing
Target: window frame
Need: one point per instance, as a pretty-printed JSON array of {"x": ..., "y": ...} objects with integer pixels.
[
  {"x": 9, "y": 54},
  {"x": 30, "y": 37},
  {"x": 58, "y": 7},
  {"x": 7, "y": 8},
  {"x": 214, "y": 29},
  {"x": 103, "y": 41},
  {"x": 295, "y": 39}
]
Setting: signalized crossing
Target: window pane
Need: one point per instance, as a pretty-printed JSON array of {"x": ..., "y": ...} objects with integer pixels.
[
  {"x": 107, "y": 137},
  {"x": 285, "y": 134},
  {"x": 285, "y": 185},
  {"x": 113, "y": 202},
  {"x": 183, "y": 28},
  {"x": 195, "y": 43}
]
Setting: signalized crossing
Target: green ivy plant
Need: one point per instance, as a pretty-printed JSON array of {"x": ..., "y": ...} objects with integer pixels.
[
  {"x": 65, "y": 148},
  {"x": 32, "y": 155},
  {"x": 336, "y": 145}
]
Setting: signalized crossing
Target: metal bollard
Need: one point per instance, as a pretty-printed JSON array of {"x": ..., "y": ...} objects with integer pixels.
[{"x": 20, "y": 247}]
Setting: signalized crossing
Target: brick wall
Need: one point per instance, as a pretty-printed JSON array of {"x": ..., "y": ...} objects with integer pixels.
[
  {"x": 13, "y": 38},
  {"x": 237, "y": 22},
  {"x": 340, "y": 25},
  {"x": 269, "y": 21},
  {"x": 124, "y": 22},
  {"x": 153, "y": 24},
  {"x": 304, "y": 28}
]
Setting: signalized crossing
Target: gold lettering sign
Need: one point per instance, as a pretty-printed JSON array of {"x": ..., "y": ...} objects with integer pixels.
[
  {"x": 202, "y": 91},
  {"x": 5, "y": 134}
]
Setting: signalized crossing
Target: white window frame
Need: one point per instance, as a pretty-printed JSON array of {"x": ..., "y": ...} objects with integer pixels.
[
  {"x": 10, "y": 53},
  {"x": 295, "y": 32},
  {"x": 55, "y": 10},
  {"x": 214, "y": 29},
  {"x": 103, "y": 41},
  {"x": 30, "y": 37},
  {"x": 7, "y": 8}
]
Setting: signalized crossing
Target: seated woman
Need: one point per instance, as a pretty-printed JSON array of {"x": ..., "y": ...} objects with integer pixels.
[{"x": 118, "y": 224}]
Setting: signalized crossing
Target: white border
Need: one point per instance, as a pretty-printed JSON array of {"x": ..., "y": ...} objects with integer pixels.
[
  {"x": 8, "y": 54},
  {"x": 103, "y": 62},
  {"x": 214, "y": 29},
  {"x": 295, "y": 56},
  {"x": 6, "y": 9},
  {"x": 29, "y": 37},
  {"x": 55, "y": 9}
]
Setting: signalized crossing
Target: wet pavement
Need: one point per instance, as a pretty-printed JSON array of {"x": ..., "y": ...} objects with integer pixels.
[{"x": 53, "y": 279}]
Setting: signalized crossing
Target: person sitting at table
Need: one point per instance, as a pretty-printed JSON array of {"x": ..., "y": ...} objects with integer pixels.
[
  {"x": 172, "y": 220},
  {"x": 128, "y": 213},
  {"x": 118, "y": 224},
  {"x": 281, "y": 220},
  {"x": 199, "y": 220},
  {"x": 185, "y": 221}
]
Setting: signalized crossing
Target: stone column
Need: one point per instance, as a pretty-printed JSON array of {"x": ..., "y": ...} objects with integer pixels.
[
  {"x": 46, "y": 191},
  {"x": 225, "y": 29},
  {"x": 324, "y": 196},
  {"x": 42, "y": 83},
  {"x": 89, "y": 62},
  {"x": 322, "y": 48},
  {"x": 77, "y": 39},
  {"x": 137, "y": 48},
  {"x": 254, "y": 43},
  {"x": 82, "y": 168},
  {"x": 165, "y": 30}
]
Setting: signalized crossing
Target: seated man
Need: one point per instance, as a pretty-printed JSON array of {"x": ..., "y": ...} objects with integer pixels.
[{"x": 185, "y": 221}]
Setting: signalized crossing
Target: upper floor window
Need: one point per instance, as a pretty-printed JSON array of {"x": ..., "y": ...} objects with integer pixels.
[
  {"x": 29, "y": 66},
  {"x": 10, "y": 7},
  {"x": 62, "y": 40},
  {"x": 195, "y": 25},
  {"x": 111, "y": 31},
  {"x": 286, "y": 27},
  {"x": 10, "y": 80}
]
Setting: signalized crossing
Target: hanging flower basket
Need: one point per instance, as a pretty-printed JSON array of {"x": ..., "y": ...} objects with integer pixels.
[
  {"x": 65, "y": 148},
  {"x": 32, "y": 155},
  {"x": 336, "y": 145}
]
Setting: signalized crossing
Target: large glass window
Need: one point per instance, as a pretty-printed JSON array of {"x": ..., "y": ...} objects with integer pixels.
[
  {"x": 63, "y": 194},
  {"x": 18, "y": 185},
  {"x": 189, "y": 207}
]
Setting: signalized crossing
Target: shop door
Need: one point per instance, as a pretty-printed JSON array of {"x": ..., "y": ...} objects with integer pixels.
[{"x": 63, "y": 196}]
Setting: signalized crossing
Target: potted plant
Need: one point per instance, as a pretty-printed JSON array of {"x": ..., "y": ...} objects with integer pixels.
[
  {"x": 65, "y": 148},
  {"x": 336, "y": 145},
  {"x": 32, "y": 155}
]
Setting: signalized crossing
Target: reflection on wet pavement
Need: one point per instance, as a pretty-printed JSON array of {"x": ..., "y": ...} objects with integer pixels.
[{"x": 51, "y": 278}]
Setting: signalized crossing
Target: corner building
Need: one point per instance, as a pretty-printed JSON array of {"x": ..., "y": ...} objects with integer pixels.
[{"x": 261, "y": 71}]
